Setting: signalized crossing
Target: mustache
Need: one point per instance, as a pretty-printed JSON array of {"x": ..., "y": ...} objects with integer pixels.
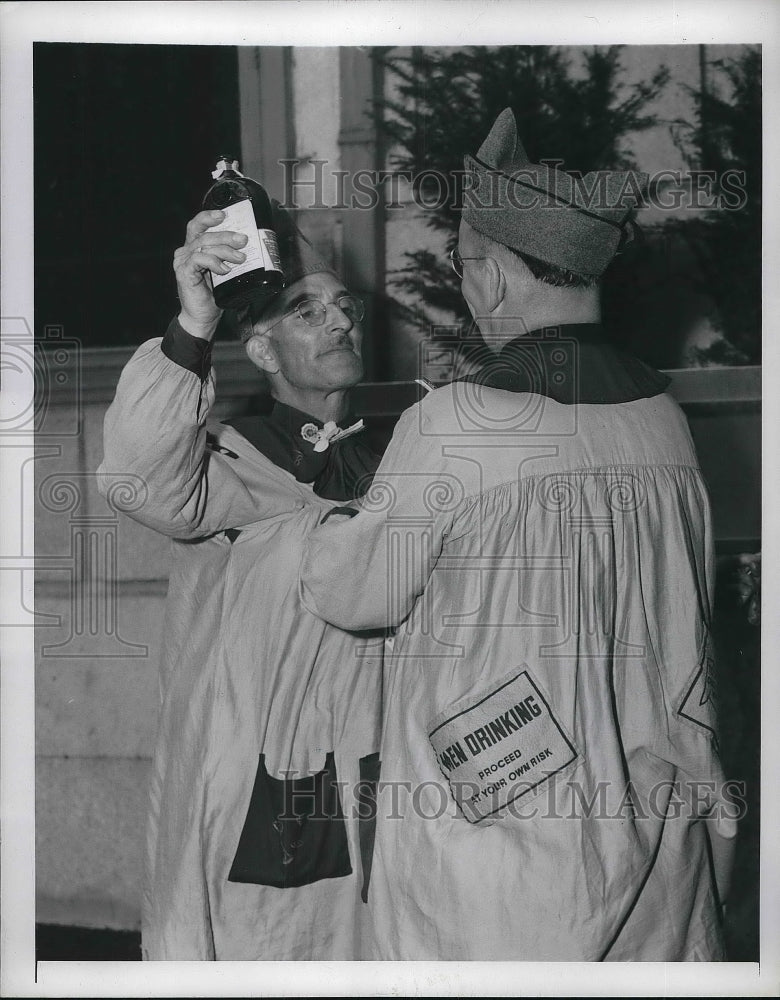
[{"x": 339, "y": 345}]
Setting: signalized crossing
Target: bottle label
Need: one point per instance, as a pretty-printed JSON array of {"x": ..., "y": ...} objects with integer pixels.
[
  {"x": 271, "y": 247},
  {"x": 261, "y": 248}
]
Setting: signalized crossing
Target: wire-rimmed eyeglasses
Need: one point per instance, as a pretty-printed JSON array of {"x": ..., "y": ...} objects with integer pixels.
[
  {"x": 457, "y": 261},
  {"x": 314, "y": 311}
]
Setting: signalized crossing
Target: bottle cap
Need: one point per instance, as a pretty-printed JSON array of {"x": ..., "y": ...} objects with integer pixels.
[{"x": 223, "y": 164}]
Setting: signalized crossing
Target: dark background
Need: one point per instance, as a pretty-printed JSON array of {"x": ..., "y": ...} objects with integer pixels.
[{"x": 126, "y": 137}]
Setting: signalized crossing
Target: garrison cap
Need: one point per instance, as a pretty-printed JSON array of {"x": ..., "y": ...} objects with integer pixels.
[
  {"x": 298, "y": 258},
  {"x": 574, "y": 223}
]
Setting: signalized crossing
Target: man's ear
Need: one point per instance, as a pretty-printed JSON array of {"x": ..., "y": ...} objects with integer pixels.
[
  {"x": 496, "y": 284},
  {"x": 261, "y": 353}
]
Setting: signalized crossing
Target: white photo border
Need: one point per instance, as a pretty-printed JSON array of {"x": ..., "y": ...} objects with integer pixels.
[{"x": 365, "y": 23}]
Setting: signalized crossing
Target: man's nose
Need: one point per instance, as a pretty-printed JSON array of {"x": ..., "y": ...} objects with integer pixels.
[{"x": 336, "y": 318}]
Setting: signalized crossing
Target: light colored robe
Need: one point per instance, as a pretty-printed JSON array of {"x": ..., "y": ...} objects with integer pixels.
[
  {"x": 245, "y": 670},
  {"x": 562, "y": 553}
]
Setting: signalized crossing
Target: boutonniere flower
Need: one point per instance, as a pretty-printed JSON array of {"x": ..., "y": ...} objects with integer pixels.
[{"x": 322, "y": 437}]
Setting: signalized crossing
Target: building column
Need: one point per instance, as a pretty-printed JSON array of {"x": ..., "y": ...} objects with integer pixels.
[
  {"x": 361, "y": 149},
  {"x": 267, "y": 114}
]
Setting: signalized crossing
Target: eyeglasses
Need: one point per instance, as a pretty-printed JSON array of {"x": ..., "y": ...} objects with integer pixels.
[
  {"x": 313, "y": 311},
  {"x": 457, "y": 261}
]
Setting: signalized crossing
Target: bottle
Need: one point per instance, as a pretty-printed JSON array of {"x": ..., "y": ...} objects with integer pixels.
[{"x": 247, "y": 209}]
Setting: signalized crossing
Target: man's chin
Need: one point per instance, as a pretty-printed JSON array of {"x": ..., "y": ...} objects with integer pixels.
[{"x": 342, "y": 366}]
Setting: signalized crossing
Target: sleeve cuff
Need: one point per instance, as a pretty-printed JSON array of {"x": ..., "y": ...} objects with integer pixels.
[{"x": 187, "y": 351}]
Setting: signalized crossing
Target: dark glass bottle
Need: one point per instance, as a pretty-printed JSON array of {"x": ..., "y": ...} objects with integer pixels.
[{"x": 247, "y": 209}]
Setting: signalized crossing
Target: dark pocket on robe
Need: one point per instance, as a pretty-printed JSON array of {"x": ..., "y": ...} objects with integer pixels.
[
  {"x": 366, "y": 797},
  {"x": 294, "y": 831}
]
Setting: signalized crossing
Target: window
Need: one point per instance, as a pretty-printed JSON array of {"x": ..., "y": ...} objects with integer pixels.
[{"x": 125, "y": 139}]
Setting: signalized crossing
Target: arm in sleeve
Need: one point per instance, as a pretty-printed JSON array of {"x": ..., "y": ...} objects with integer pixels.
[
  {"x": 156, "y": 466},
  {"x": 367, "y": 571}
]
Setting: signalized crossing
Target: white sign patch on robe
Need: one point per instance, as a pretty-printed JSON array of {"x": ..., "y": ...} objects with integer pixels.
[{"x": 499, "y": 745}]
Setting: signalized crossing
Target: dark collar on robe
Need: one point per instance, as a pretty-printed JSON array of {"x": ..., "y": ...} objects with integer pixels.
[
  {"x": 571, "y": 363},
  {"x": 343, "y": 471}
]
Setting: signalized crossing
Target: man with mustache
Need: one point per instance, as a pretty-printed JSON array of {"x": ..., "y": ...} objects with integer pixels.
[{"x": 269, "y": 717}]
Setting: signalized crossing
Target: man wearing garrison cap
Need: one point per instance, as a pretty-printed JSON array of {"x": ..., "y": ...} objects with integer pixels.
[
  {"x": 540, "y": 535},
  {"x": 269, "y": 720}
]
